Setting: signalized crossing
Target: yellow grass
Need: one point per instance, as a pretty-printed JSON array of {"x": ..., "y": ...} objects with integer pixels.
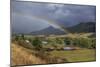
[{"x": 23, "y": 56}]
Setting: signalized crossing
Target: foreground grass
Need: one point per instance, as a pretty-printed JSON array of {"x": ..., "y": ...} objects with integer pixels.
[
  {"x": 76, "y": 55},
  {"x": 23, "y": 56}
]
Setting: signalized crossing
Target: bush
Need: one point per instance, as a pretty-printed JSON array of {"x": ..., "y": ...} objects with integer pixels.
[
  {"x": 67, "y": 41},
  {"x": 59, "y": 41},
  {"x": 81, "y": 42},
  {"x": 37, "y": 43},
  {"x": 22, "y": 36},
  {"x": 93, "y": 45},
  {"x": 85, "y": 42},
  {"x": 16, "y": 38}
]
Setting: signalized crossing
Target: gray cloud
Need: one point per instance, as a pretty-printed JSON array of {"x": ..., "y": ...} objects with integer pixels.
[{"x": 66, "y": 15}]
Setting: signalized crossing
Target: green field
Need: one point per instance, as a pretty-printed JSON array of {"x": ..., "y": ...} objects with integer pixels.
[
  {"x": 76, "y": 55},
  {"x": 51, "y": 49}
]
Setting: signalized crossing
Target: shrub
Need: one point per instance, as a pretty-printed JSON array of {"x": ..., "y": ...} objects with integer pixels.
[
  {"x": 22, "y": 36},
  {"x": 81, "y": 42},
  {"x": 93, "y": 45},
  {"x": 16, "y": 37},
  {"x": 67, "y": 41},
  {"x": 86, "y": 42},
  {"x": 59, "y": 41},
  {"x": 37, "y": 43}
]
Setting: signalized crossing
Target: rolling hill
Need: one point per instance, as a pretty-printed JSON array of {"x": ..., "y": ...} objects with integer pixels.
[{"x": 83, "y": 27}]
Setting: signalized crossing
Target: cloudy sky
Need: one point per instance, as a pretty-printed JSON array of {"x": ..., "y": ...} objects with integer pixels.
[{"x": 31, "y": 16}]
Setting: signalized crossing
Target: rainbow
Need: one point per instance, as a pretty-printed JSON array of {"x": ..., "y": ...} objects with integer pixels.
[{"x": 42, "y": 18}]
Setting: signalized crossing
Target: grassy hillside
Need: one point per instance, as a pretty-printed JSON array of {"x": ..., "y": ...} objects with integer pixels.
[
  {"x": 23, "y": 56},
  {"x": 83, "y": 27}
]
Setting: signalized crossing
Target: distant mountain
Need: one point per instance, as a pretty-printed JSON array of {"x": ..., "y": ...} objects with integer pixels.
[
  {"x": 48, "y": 31},
  {"x": 83, "y": 27},
  {"x": 79, "y": 28}
]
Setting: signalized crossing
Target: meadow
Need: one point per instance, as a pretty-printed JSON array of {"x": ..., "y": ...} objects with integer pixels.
[
  {"x": 76, "y": 55},
  {"x": 28, "y": 49}
]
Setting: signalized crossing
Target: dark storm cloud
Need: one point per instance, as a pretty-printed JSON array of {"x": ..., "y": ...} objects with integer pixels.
[
  {"x": 72, "y": 14},
  {"x": 66, "y": 15}
]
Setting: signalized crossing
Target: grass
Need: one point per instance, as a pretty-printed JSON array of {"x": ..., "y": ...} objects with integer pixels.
[
  {"x": 23, "y": 56},
  {"x": 23, "y": 53},
  {"x": 76, "y": 55}
]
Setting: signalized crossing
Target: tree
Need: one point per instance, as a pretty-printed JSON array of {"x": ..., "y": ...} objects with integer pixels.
[
  {"x": 67, "y": 41},
  {"x": 22, "y": 36},
  {"x": 85, "y": 42},
  {"x": 16, "y": 37},
  {"x": 59, "y": 40},
  {"x": 93, "y": 43},
  {"x": 37, "y": 43}
]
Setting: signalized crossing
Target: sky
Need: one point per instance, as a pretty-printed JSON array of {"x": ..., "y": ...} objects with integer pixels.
[{"x": 33, "y": 16}]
